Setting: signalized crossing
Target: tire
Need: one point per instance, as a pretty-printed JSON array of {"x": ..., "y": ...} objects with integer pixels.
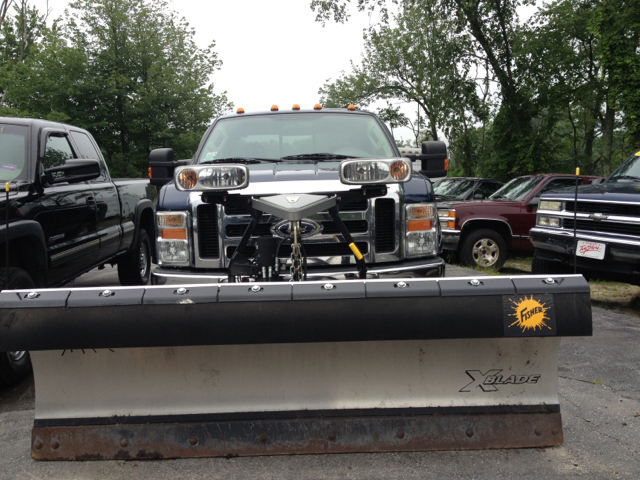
[
  {"x": 483, "y": 248},
  {"x": 14, "y": 366},
  {"x": 540, "y": 266},
  {"x": 134, "y": 267}
]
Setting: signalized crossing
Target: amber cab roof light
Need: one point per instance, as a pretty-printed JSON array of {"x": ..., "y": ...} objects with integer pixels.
[
  {"x": 317, "y": 106},
  {"x": 274, "y": 108},
  {"x": 351, "y": 107},
  {"x": 296, "y": 107},
  {"x": 240, "y": 111}
]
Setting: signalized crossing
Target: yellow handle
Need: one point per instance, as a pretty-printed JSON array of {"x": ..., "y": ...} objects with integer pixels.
[
  {"x": 6, "y": 187},
  {"x": 355, "y": 251},
  {"x": 578, "y": 171}
]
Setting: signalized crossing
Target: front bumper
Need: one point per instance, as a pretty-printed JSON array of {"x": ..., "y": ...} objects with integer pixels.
[
  {"x": 424, "y": 267},
  {"x": 450, "y": 239},
  {"x": 622, "y": 254}
]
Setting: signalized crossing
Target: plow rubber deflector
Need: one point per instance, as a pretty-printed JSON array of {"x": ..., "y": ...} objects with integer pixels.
[{"x": 290, "y": 368}]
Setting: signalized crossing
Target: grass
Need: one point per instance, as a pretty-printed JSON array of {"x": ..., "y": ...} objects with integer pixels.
[{"x": 620, "y": 297}]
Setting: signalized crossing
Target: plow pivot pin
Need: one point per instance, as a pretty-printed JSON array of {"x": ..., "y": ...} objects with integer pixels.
[
  {"x": 331, "y": 435},
  {"x": 55, "y": 445},
  {"x": 549, "y": 281},
  {"x": 124, "y": 443},
  {"x": 262, "y": 438},
  {"x": 37, "y": 445},
  {"x": 256, "y": 288},
  {"x": 193, "y": 440},
  {"x": 181, "y": 291},
  {"x": 33, "y": 295},
  {"x": 469, "y": 432},
  {"x": 538, "y": 431},
  {"x": 400, "y": 434},
  {"x": 474, "y": 282},
  {"x": 328, "y": 286},
  {"x": 106, "y": 293},
  {"x": 401, "y": 285},
  {"x": 554, "y": 431}
]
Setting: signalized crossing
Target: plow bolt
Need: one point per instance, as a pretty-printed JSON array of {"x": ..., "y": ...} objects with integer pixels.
[
  {"x": 193, "y": 441},
  {"x": 400, "y": 434},
  {"x": 469, "y": 432},
  {"x": 37, "y": 445},
  {"x": 401, "y": 285},
  {"x": 256, "y": 288},
  {"x": 328, "y": 286},
  {"x": 262, "y": 438},
  {"x": 538, "y": 431},
  {"x": 474, "y": 282},
  {"x": 331, "y": 435},
  {"x": 181, "y": 291},
  {"x": 106, "y": 293},
  {"x": 55, "y": 445},
  {"x": 124, "y": 443},
  {"x": 549, "y": 281},
  {"x": 32, "y": 295},
  {"x": 554, "y": 431}
]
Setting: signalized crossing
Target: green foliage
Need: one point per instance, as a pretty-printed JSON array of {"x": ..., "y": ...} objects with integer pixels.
[
  {"x": 128, "y": 71},
  {"x": 568, "y": 80}
]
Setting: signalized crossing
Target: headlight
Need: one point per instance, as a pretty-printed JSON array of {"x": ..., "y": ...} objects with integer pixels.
[
  {"x": 548, "y": 221},
  {"x": 421, "y": 229},
  {"x": 211, "y": 177},
  {"x": 447, "y": 218},
  {"x": 366, "y": 172},
  {"x": 549, "y": 205},
  {"x": 173, "y": 238}
]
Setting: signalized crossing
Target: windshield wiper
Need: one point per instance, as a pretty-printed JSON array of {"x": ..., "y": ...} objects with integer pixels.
[
  {"x": 317, "y": 156},
  {"x": 243, "y": 160},
  {"x": 626, "y": 177}
]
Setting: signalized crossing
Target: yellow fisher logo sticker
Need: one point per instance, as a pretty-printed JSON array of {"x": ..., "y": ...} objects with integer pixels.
[{"x": 529, "y": 316}]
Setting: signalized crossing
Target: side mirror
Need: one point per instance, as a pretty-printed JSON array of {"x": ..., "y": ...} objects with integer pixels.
[
  {"x": 73, "y": 171},
  {"x": 161, "y": 166},
  {"x": 534, "y": 201},
  {"x": 433, "y": 158}
]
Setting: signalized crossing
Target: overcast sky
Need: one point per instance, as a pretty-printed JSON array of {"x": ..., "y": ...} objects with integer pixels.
[{"x": 273, "y": 52}]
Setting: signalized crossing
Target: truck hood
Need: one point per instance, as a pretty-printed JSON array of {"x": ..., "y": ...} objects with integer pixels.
[
  {"x": 296, "y": 178},
  {"x": 603, "y": 192}
]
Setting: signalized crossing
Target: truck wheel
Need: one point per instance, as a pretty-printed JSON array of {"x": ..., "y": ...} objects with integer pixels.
[
  {"x": 134, "y": 267},
  {"x": 484, "y": 248},
  {"x": 540, "y": 266},
  {"x": 14, "y": 366}
]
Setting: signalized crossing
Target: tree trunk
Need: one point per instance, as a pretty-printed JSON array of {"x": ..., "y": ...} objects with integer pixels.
[{"x": 607, "y": 138}]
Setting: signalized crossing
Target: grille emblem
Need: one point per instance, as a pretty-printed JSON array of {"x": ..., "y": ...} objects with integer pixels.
[
  {"x": 308, "y": 228},
  {"x": 598, "y": 217}
]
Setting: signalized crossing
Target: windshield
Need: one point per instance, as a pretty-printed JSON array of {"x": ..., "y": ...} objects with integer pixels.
[
  {"x": 629, "y": 171},
  {"x": 516, "y": 189},
  {"x": 13, "y": 152},
  {"x": 454, "y": 188},
  {"x": 316, "y": 136}
]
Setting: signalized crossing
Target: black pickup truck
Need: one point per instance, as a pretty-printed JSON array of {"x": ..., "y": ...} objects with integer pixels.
[
  {"x": 65, "y": 215},
  {"x": 601, "y": 231}
]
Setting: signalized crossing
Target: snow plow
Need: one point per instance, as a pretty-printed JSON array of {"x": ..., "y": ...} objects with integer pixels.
[
  {"x": 291, "y": 368},
  {"x": 298, "y": 324}
]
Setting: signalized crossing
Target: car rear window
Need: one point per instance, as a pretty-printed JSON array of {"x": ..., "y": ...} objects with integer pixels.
[{"x": 13, "y": 152}]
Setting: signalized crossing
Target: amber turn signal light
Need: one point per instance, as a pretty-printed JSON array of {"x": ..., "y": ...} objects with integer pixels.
[{"x": 418, "y": 225}]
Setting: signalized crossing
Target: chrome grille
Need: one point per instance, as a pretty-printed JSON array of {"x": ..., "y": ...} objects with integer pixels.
[{"x": 623, "y": 210}]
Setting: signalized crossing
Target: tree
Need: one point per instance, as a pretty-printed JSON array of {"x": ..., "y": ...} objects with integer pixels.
[
  {"x": 128, "y": 71},
  {"x": 493, "y": 25}
]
